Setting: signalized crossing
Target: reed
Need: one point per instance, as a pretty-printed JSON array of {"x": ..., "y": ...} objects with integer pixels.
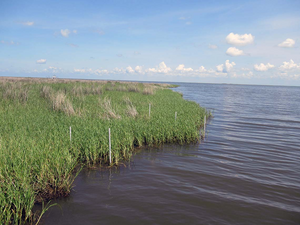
[{"x": 37, "y": 162}]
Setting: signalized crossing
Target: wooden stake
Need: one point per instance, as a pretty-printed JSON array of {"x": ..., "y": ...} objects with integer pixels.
[
  {"x": 109, "y": 144},
  {"x": 70, "y": 135},
  {"x": 204, "y": 124},
  {"x": 175, "y": 116},
  {"x": 149, "y": 110}
]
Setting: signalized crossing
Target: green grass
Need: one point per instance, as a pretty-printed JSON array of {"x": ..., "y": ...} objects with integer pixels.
[{"x": 37, "y": 160}]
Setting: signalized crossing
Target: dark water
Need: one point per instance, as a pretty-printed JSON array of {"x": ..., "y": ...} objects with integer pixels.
[{"x": 247, "y": 171}]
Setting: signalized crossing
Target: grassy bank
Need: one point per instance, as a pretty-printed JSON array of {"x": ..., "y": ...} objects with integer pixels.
[{"x": 38, "y": 161}]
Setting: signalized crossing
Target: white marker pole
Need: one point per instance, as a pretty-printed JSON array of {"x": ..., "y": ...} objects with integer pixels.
[
  {"x": 204, "y": 124},
  {"x": 149, "y": 110},
  {"x": 109, "y": 144},
  {"x": 70, "y": 135}
]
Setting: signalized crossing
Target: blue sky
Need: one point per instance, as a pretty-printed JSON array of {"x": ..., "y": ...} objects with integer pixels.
[{"x": 243, "y": 42}]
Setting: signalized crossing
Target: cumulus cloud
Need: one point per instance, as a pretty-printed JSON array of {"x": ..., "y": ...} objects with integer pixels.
[
  {"x": 289, "y": 65},
  {"x": 162, "y": 68},
  {"x": 288, "y": 43},
  {"x": 228, "y": 65},
  {"x": 243, "y": 75},
  {"x": 100, "y": 72},
  {"x": 138, "y": 69},
  {"x": 220, "y": 68},
  {"x": 129, "y": 69},
  {"x": 233, "y": 51},
  {"x": 181, "y": 68},
  {"x": 213, "y": 46},
  {"x": 65, "y": 33},
  {"x": 239, "y": 40},
  {"x": 119, "y": 70},
  {"x": 225, "y": 68},
  {"x": 41, "y": 61},
  {"x": 28, "y": 23},
  {"x": 79, "y": 70},
  {"x": 202, "y": 69},
  {"x": 263, "y": 67}
]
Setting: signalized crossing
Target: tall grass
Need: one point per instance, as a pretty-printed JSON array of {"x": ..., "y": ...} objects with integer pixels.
[{"x": 37, "y": 160}]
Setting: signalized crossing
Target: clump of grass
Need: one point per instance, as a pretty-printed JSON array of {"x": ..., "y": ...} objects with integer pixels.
[
  {"x": 131, "y": 110},
  {"x": 133, "y": 88},
  {"x": 58, "y": 100},
  {"x": 121, "y": 88},
  {"x": 46, "y": 92},
  {"x": 61, "y": 103},
  {"x": 15, "y": 92},
  {"x": 149, "y": 91},
  {"x": 109, "y": 113}
]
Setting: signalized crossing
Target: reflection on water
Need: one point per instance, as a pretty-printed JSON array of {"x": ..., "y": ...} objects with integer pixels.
[{"x": 246, "y": 171}]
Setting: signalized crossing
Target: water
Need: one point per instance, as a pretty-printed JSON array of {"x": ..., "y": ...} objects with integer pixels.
[{"x": 247, "y": 171}]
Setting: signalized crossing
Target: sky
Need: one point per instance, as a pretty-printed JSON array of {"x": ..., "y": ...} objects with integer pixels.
[{"x": 238, "y": 42}]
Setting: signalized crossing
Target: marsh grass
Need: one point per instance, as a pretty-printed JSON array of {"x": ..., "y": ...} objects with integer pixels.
[{"x": 37, "y": 160}]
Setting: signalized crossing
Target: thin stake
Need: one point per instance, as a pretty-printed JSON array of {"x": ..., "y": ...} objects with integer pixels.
[
  {"x": 175, "y": 116},
  {"x": 70, "y": 135},
  {"x": 204, "y": 124},
  {"x": 149, "y": 110},
  {"x": 109, "y": 143}
]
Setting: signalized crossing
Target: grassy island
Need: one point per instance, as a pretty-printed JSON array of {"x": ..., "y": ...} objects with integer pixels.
[{"x": 39, "y": 159}]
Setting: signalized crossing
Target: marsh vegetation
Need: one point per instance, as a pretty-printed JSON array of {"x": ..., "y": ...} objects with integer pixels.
[{"x": 39, "y": 161}]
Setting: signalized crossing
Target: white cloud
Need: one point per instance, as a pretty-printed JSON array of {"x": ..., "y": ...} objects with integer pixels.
[
  {"x": 289, "y": 65},
  {"x": 202, "y": 69},
  {"x": 136, "y": 53},
  {"x": 100, "y": 72},
  {"x": 243, "y": 75},
  {"x": 220, "y": 68},
  {"x": 118, "y": 70},
  {"x": 227, "y": 68},
  {"x": 41, "y": 61},
  {"x": 79, "y": 70},
  {"x": 263, "y": 67},
  {"x": 233, "y": 51},
  {"x": 138, "y": 69},
  {"x": 239, "y": 40},
  {"x": 27, "y": 23},
  {"x": 65, "y": 33},
  {"x": 288, "y": 43},
  {"x": 228, "y": 65},
  {"x": 188, "y": 23},
  {"x": 129, "y": 69},
  {"x": 213, "y": 46},
  {"x": 181, "y": 68},
  {"x": 162, "y": 68}
]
